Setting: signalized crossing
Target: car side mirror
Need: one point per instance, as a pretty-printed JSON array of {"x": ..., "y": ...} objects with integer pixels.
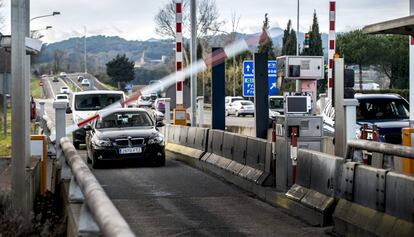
[
  {"x": 160, "y": 124},
  {"x": 68, "y": 110},
  {"x": 87, "y": 127}
]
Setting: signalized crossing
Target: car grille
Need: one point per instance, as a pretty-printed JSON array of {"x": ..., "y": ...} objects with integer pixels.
[{"x": 126, "y": 142}]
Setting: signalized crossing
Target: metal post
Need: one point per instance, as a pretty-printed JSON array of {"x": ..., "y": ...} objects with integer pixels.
[
  {"x": 200, "y": 104},
  {"x": 42, "y": 108},
  {"x": 350, "y": 118},
  {"x": 218, "y": 119},
  {"x": 340, "y": 135},
  {"x": 298, "y": 85},
  {"x": 60, "y": 125},
  {"x": 261, "y": 98},
  {"x": 412, "y": 77},
  {"x": 20, "y": 103},
  {"x": 167, "y": 113},
  {"x": 193, "y": 60}
]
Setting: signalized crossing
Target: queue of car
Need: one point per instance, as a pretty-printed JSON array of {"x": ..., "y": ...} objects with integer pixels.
[{"x": 131, "y": 133}]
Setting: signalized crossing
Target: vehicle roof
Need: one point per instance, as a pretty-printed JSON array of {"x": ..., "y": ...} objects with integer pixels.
[
  {"x": 239, "y": 101},
  {"x": 98, "y": 92},
  {"x": 276, "y": 96},
  {"x": 127, "y": 110},
  {"x": 377, "y": 96},
  {"x": 60, "y": 94}
]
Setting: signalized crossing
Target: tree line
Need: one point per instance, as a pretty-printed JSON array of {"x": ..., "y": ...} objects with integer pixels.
[{"x": 388, "y": 54}]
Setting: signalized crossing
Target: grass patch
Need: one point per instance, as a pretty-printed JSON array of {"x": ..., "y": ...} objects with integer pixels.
[
  {"x": 35, "y": 88},
  {"x": 5, "y": 141},
  {"x": 72, "y": 87}
]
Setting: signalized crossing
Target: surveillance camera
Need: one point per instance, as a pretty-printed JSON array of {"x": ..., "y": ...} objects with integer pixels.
[{"x": 33, "y": 46}]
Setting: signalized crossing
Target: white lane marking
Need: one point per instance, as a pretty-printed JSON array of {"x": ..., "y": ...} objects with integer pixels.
[{"x": 51, "y": 88}]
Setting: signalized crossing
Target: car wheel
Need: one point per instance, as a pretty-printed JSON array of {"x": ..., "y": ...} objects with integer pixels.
[
  {"x": 95, "y": 163},
  {"x": 76, "y": 145},
  {"x": 237, "y": 114},
  {"x": 160, "y": 161}
]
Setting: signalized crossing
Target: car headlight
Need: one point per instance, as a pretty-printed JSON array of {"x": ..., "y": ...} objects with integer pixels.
[
  {"x": 156, "y": 140},
  {"x": 102, "y": 142}
]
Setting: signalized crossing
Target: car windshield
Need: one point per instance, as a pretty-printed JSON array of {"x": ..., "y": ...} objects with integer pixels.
[
  {"x": 64, "y": 88},
  {"x": 133, "y": 119},
  {"x": 379, "y": 109},
  {"x": 92, "y": 102},
  {"x": 276, "y": 103}
]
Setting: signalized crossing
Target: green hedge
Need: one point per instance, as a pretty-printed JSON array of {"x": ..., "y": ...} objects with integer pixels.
[{"x": 403, "y": 92}]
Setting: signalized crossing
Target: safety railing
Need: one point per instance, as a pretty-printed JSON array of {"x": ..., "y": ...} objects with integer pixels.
[
  {"x": 108, "y": 218},
  {"x": 98, "y": 213}
]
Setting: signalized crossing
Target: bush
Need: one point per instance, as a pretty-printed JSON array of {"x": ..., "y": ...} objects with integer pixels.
[{"x": 47, "y": 220}]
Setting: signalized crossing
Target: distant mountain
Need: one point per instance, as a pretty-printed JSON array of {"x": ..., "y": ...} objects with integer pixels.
[{"x": 101, "y": 49}]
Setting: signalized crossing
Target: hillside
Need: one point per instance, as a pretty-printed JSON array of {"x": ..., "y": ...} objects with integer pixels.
[{"x": 100, "y": 49}]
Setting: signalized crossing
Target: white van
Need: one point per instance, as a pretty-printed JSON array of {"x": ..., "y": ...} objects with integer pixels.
[{"x": 86, "y": 103}]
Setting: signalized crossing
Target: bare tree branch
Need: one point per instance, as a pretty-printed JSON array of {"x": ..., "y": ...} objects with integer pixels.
[{"x": 207, "y": 19}]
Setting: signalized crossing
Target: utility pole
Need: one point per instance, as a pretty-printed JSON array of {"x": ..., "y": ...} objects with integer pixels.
[
  {"x": 20, "y": 103},
  {"x": 193, "y": 60}
]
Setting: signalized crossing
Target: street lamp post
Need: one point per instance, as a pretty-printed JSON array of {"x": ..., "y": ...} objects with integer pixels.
[{"x": 37, "y": 17}]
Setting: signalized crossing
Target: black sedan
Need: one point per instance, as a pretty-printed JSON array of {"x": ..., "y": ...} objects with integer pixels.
[{"x": 125, "y": 134}]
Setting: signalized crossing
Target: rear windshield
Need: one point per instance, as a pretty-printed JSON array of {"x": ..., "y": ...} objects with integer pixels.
[
  {"x": 125, "y": 120},
  {"x": 94, "y": 102},
  {"x": 379, "y": 109},
  {"x": 64, "y": 88},
  {"x": 246, "y": 103},
  {"x": 61, "y": 97},
  {"x": 236, "y": 99},
  {"x": 276, "y": 103}
]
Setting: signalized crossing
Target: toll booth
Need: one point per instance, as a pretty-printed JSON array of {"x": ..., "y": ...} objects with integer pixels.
[{"x": 297, "y": 128}]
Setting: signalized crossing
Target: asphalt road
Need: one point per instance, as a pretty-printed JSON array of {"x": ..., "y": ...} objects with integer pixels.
[{"x": 178, "y": 200}]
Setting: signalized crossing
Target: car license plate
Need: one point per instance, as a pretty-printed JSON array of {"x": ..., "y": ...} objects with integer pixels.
[{"x": 130, "y": 150}]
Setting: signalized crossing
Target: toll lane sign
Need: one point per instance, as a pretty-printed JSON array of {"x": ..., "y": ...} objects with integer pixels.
[{"x": 248, "y": 78}]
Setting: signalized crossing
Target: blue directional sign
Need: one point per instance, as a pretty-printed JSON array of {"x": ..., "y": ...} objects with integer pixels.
[{"x": 248, "y": 78}]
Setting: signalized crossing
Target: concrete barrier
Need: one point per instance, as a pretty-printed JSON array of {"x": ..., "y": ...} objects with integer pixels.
[
  {"x": 187, "y": 141},
  {"x": 374, "y": 202},
  {"x": 318, "y": 180}
]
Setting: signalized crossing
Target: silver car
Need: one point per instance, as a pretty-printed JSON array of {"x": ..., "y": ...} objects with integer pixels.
[{"x": 240, "y": 107}]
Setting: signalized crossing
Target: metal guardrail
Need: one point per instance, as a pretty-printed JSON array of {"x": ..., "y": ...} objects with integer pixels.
[
  {"x": 103, "y": 210},
  {"x": 385, "y": 148}
]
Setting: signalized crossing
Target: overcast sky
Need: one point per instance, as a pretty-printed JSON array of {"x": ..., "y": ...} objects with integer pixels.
[{"x": 134, "y": 19}]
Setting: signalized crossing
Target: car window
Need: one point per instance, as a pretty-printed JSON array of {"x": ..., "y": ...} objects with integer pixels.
[
  {"x": 377, "y": 109},
  {"x": 246, "y": 103},
  {"x": 95, "y": 101},
  {"x": 236, "y": 99},
  {"x": 133, "y": 119},
  {"x": 61, "y": 97}
]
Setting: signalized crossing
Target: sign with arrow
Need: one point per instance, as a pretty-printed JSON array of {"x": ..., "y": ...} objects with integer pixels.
[{"x": 248, "y": 78}]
